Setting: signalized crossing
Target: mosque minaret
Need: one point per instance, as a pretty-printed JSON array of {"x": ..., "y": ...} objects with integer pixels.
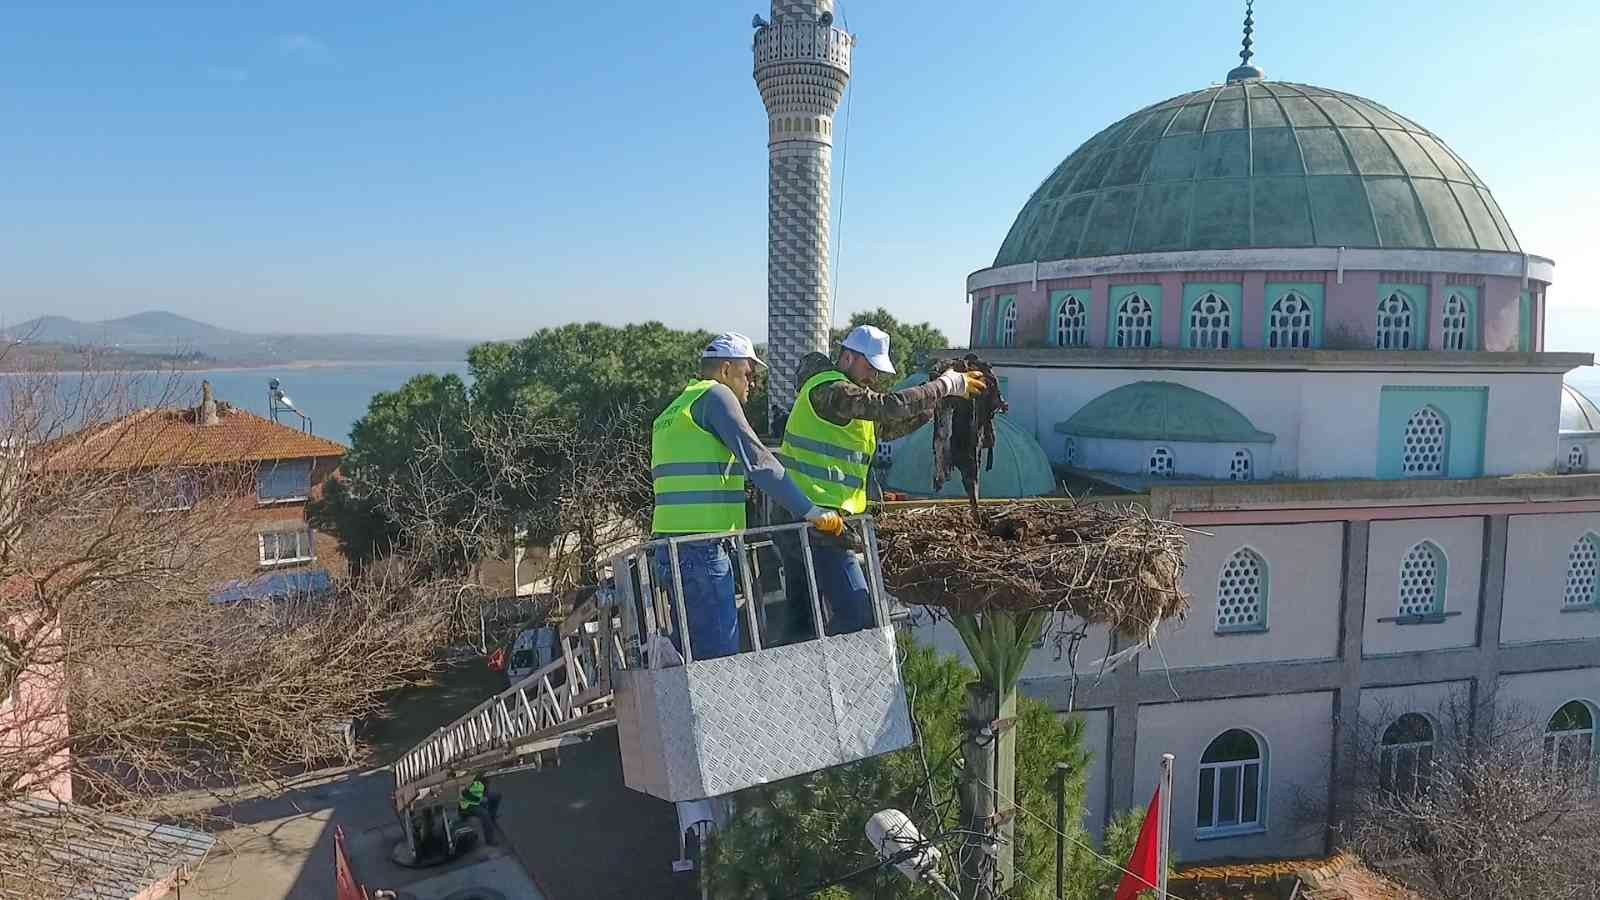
[{"x": 802, "y": 63}]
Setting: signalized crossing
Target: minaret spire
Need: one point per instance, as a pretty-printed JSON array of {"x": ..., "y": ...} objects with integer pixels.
[
  {"x": 802, "y": 64},
  {"x": 1246, "y": 71}
]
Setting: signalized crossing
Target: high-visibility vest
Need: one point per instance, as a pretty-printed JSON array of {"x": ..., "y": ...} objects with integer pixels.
[
  {"x": 472, "y": 797},
  {"x": 699, "y": 484},
  {"x": 828, "y": 461}
]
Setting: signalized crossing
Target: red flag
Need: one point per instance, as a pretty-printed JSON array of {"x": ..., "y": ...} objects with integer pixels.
[{"x": 1144, "y": 866}]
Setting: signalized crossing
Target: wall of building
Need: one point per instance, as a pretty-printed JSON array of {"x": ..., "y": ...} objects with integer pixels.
[
  {"x": 1096, "y": 794},
  {"x": 1302, "y": 598},
  {"x": 33, "y": 718},
  {"x": 243, "y": 561},
  {"x": 1381, "y": 706},
  {"x": 1461, "y": 542},
  {"x": 1348, "y": 306},
  {"x": 1297, "y": 732},
  {"x": 1535, "y": 696},
  {"x": 1538, "y": 553}
]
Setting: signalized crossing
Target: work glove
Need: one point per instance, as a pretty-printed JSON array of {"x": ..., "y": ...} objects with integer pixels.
[
  {"x": 965, "y": 385},
  {"x": 826, "y": 521}
]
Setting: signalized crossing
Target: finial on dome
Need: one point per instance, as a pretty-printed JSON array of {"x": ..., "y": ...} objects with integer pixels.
[{"x": 1245, "y": 71}]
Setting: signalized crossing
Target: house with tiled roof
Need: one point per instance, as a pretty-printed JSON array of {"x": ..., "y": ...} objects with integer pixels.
[{"x": 282, "y": 469}]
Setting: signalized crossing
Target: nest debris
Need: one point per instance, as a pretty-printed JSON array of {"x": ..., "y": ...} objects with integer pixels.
[
  {"x": 964, "y": 428},
  {"x": 1104, "y": 564}
]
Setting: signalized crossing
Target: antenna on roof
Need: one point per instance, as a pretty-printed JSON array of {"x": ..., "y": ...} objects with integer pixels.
[
  {"x": 1245, "y": 71},
  {"x": 278, "y": 401}
]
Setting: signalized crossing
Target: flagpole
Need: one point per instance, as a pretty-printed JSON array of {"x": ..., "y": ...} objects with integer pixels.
[{"x": 1164, "y": 848}]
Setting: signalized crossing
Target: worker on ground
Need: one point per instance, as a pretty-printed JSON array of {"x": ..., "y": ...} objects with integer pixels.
[
  {"x": 828, "y": 443},
  {"x": 477, "y": 803},
  {"x": 701, "y": 451}
]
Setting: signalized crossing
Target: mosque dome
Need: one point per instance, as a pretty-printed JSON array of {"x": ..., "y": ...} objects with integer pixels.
[
  {"x": 1162, "y": 411},
  {"x": 1255, "y": 163},
  {"x": 1020, "y": 467},
  {"x": 1578, "y": 412}
]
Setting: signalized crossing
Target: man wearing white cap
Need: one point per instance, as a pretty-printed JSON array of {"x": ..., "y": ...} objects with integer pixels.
[
  {"x": 702, "y": 449},
  {"x": 828, "y": 444}
]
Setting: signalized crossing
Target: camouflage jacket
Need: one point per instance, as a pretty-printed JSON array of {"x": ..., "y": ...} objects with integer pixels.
[{"x": 896, "y": 414}]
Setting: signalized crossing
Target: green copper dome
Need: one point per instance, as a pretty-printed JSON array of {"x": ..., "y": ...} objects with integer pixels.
[
  {"x": 1162, "y": 411},
  {"x": 1258, "y": 164},
  {"x": 1020, "y": 467}
]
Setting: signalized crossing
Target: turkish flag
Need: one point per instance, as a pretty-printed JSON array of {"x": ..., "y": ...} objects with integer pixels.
[{"x": 1144, "y": 866}]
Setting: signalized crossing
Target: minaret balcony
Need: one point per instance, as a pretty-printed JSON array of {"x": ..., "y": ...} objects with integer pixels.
[{"x": 786, "y": 42}]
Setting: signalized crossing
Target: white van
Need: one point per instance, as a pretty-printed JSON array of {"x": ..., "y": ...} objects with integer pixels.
[{"x": 533, "y": 649}]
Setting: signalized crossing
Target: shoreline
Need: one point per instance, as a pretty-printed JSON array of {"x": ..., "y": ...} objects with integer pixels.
[{"x": 174, "y": 370}]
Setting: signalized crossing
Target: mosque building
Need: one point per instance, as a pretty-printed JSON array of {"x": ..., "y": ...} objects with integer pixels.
[{"x": 1297, "y": 322}]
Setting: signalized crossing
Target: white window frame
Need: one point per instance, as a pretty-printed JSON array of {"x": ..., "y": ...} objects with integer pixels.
[
  {"x": 1246, "y": 472},
  {"x": 1441, "y": 573},
  {"x": 1281, "y": 336},
  {"x": 1069, "y": 451},
  {"x": 1259, "y": 824},
  {"x": 303, "y": 532},
  {"x": 1554, "y": 740},
  {"x": 1456, "y": 324},
  {"x": 266, "y": 467},
  {"x": 1130, "y": 335},
  {"x": 1418, "y": 754},
  {"x": 1401, "y": 336},
  {"x": 1008, "y": 324},
  {"x": 1593, "y": 601},
  {"x": 1205, "y": 334},
  {"x": 1577, "y": 459},
  {"x": 157, "y": 483},
  {"x": 1260, "y": 624},
  {"x": 1072, "y": 322},
  {"x": 1155, "y": 470},
  {"x": 1444, "y": 444}
]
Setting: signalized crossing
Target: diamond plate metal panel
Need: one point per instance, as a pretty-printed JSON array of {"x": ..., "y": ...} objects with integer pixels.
[{"x": 869, "y": 699}]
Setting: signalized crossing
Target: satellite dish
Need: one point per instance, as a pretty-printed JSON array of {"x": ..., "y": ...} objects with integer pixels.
[{"x": 826, "y": 20}]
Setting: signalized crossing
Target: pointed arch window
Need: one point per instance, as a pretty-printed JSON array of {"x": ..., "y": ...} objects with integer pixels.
[
  {"x": 1008, "y": 323},
  {"x": 1135, "y": 322},
  {"x": 1457, "y": 325},
  {"x": 1241, "y": 467},
  {"x": 1422, "y": 580},
  {"x": 1577, "y": 460},
  {"x": 1242, "y": 593},
  {"x": 1569, "y": 741},
  {"x": 1289, "y": 323},
  {"x": 1583, "y": 573},
  {"x": 1160, "y": 464},
  {"x": 1232, "y": 795},
  {"x": 1406, "y": 755},
  {"x": 1396, "y": 321},
  {"x": 1427, "y": 439},
  {"x": 1072, "y": 323},
  {"x": 1210, "y": 323}
]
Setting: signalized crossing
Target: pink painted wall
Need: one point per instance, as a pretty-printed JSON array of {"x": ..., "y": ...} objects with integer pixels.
[
  {"x": 1254, "y": 315},
  {"x": 1499, "y": 316},
  {"x": 35, "y": 720}
]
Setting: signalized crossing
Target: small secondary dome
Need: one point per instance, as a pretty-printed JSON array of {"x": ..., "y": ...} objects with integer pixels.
[
  {"x": 1162, "y": 411},
  {"x": 1020, "y": 467},
  {"x": 1578, "y": 412},
  {"x": 1256, "y": 163}
]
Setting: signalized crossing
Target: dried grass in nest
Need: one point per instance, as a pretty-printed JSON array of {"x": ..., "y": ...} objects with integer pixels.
[{"x": 1107, "y": 565}]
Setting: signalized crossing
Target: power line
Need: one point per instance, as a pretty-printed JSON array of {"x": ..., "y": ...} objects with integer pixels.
[{"x": 844, "y": 171}]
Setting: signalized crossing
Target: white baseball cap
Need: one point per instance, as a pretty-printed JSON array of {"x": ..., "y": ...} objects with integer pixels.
[
  {"x": 732, "y": 345},
  {"x": 873, "y": 343}
]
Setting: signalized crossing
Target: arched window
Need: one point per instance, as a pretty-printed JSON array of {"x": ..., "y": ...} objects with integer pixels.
[
  {"x": 1583, "y": 561},
  {"x": 1577, "y": 460},
  {"x": 1210, "y": 323},
  {"x": 1394, "y": 322},
  {"x": 1232, "y": 789},
  {"x": 1457, "y": 325},
  {"x": 1072, "y": 323},
  {"x": 1242, "y": 593},
  {"x": 1426, "y": 442},
  {"x": 1070, "y": 452},
  {"x": 1136, "y": 321},
  {"x": 1569, "y": 741},
  {"x": 1240, "y": 467},
  {"x": 1008, "y": 324},
  {"x": 1406, "y": 755},
  {"x": 1289, "y": 323},
  {"x": 1422, "y": 581},
  {"x": 1160, "y": 463}
]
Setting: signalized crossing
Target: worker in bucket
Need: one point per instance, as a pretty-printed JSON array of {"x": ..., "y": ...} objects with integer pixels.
[
  {"x": 477, "y": 803},
  {"x": 828, "y": 442},
  {"x": 701, "y": 451}
]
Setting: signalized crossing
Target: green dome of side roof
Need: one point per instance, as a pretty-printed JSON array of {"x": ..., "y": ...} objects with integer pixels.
[
  {"x": 1162, "y": 411},
  {"x": 1020, "y": 467},
  {"x": 1258, "y": 164}
]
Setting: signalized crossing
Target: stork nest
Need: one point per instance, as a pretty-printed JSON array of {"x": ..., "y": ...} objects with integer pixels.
[{"x": 1104, "y": 564}]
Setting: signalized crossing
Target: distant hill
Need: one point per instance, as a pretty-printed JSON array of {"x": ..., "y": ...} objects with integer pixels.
[{"x": 171, "y": 337}]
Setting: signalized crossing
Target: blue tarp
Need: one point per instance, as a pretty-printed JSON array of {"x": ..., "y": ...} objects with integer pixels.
[{"x": 272, "y": 587}]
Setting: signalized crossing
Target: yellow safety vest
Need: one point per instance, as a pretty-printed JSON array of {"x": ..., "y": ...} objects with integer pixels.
[
  {"x": 828, "y": 461},
  {"x": 699, "y": 485},
  {"x": 472, "y": 797}
]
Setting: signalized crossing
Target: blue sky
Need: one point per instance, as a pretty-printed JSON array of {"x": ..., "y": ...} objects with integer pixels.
[{"x": 484, "y": 169}]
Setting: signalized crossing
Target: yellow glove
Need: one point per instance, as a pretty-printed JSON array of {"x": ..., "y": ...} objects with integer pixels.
[
  {"x": 828, "y": 522},
  {"x": 975, "y": 384}
]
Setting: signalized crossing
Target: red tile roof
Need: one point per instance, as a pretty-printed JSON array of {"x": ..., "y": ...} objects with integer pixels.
[{"x": 167, "y": 437}]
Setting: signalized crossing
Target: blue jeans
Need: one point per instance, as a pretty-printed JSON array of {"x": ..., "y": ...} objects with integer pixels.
[
  {"x": 841, "y": 586},
  {"x": 707, "y": 575}
]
